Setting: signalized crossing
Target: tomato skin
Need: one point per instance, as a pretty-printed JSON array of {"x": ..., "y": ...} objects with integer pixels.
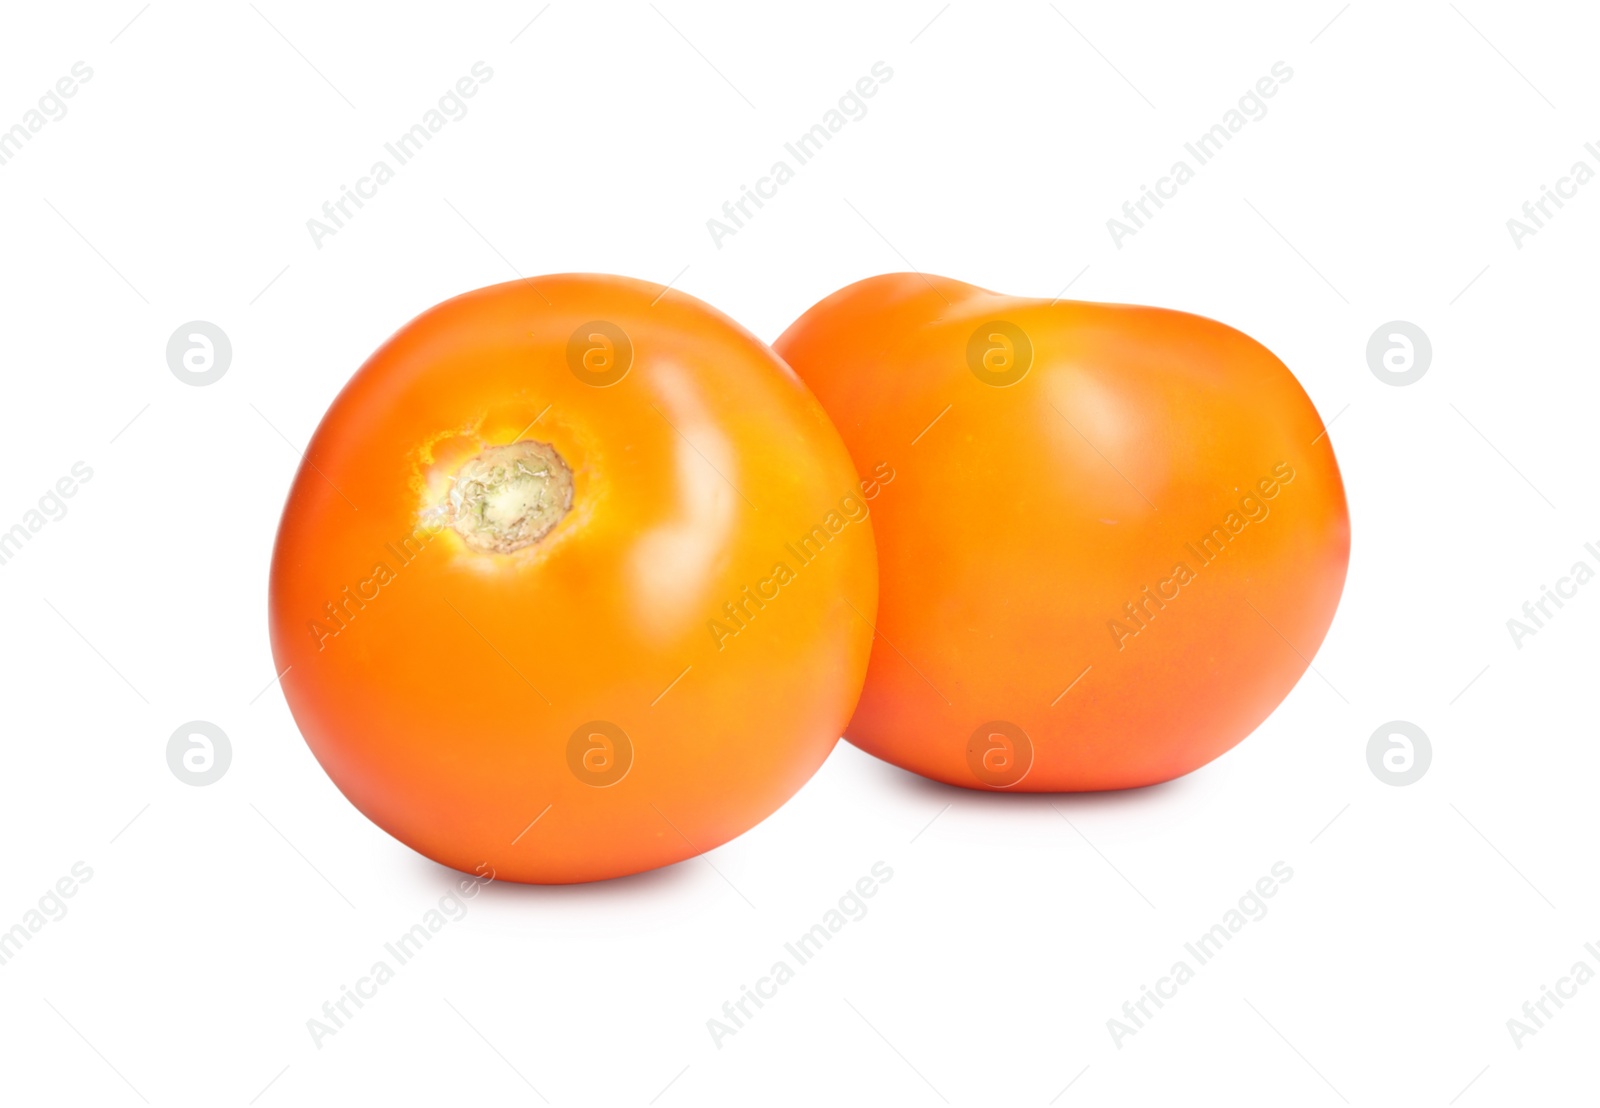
[
  {"x": 1028, "y": 519},
  {"x": 442, "y": 687}
]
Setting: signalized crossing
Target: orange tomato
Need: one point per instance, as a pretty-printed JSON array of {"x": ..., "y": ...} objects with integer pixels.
[
  {"x": 575, "y": 581},
  {"x": 1115, "y": 538}
]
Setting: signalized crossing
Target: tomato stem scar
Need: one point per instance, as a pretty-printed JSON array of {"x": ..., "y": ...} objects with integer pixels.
[{"x": 509, "y": 497}]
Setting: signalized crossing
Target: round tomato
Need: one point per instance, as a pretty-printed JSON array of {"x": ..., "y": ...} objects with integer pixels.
[
  {"x": 575, "y": 581},
  {"x": 1115, "y": 537}
]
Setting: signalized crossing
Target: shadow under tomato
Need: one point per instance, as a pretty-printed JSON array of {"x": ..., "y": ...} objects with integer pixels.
[
  {"x": 1132, "y": 800},
  {"x": 677, "y": 877}
]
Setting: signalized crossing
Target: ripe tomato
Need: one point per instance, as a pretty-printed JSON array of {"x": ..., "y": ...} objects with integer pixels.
[
  {"x": 1115, "y": 538},
  {"x": 574, "y": 581}
]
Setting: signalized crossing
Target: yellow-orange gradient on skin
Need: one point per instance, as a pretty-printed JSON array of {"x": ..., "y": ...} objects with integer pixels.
[
  {"x": 499, "y": 571},
  {"x": 1116, "y": 535}
]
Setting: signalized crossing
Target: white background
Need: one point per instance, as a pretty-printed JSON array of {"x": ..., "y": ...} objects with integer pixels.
[{"x": 218, "y": 921}]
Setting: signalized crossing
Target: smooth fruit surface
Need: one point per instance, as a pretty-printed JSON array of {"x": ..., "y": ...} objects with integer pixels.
[
  {"x": 1115, "y": 538},
  {"x": 574, "y": 582}
]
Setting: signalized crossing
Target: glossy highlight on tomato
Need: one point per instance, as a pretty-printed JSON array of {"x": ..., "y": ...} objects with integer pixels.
[
  {"x": 575, "y": 581},
  {"x": 1116, "y": 537}
]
